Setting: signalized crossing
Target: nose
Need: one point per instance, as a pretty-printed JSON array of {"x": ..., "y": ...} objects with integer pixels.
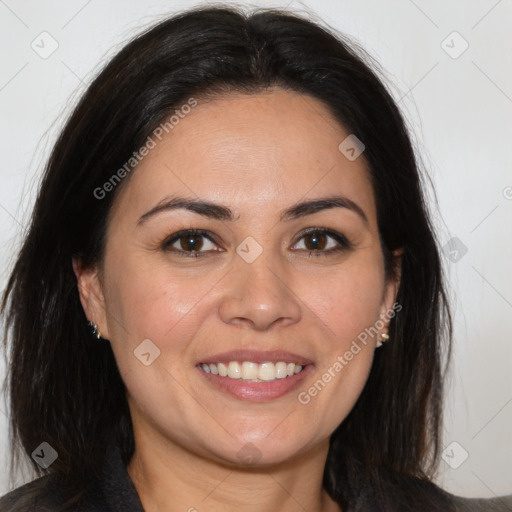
[{"x": 259, "y": 296}]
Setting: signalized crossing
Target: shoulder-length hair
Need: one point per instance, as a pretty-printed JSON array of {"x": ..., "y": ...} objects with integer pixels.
[{"x": 66, "y": 390}]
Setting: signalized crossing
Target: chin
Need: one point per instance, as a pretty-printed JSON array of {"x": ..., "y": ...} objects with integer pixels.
[{"x": 260, "y": 452}]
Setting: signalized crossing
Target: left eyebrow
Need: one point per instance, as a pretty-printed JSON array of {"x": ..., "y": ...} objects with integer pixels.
[
  {"x": 324, "y": 203},
  {"x": 222, "y": 212}
]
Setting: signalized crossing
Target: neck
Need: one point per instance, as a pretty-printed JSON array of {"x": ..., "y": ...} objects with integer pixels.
[{"x": 170, "y": 478}]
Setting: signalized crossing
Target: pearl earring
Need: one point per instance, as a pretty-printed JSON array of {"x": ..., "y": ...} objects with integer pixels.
[{"x": 383, "y": 338}]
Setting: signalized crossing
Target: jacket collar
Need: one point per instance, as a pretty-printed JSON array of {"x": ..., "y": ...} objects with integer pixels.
[{"x": 117, "y": 487}]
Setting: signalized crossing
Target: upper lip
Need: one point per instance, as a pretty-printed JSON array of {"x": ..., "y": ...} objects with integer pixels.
[{"x": 256, "y": 356}]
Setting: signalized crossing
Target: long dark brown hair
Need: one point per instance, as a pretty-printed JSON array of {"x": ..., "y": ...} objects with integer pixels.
[{"x": 65, "y": 389}]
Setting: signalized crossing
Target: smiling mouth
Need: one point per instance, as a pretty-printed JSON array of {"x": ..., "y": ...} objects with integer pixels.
[{"x": 253, "y": 372}]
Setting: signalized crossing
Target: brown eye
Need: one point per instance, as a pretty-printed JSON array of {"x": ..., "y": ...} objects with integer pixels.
[
  {"x": 190, "y": 243},
  {"x": 316, "y": 241},
  {"x": 322, "y": 241}
]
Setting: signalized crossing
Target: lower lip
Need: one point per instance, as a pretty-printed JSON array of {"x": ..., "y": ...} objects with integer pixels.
[{"x": 257, "y": 391}]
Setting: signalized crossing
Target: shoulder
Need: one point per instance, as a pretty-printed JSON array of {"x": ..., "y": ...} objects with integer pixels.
[
  {"x": 109, "y": 489},
  {"x": 498, "y": 504},
  {"x": 462, "y": 504},
  {"x": 418, "y": 495},
  {"x": 44, "y": 495},
  {"x": 28, "y": 496}
]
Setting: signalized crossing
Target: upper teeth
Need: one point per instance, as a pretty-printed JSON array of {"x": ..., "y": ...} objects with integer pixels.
[{"x": 253, "y": 371}]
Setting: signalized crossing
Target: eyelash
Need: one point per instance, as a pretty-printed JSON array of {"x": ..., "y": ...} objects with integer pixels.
[{"x": 343, "y": 243}]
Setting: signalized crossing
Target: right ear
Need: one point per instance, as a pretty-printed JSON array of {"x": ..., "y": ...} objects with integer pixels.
[{"x": 91, "y": 295}]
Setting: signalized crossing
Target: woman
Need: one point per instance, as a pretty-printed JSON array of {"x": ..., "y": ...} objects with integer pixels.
[{"x": 173, "y": 350}]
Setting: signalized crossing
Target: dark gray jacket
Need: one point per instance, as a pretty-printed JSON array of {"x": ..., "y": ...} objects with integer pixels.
[{"x": 114, "y": 492}]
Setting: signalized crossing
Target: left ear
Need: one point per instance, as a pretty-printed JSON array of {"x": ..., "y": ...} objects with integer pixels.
[
  {"x": 390, "y": 293},
  {"x": 91, "y": 295}
]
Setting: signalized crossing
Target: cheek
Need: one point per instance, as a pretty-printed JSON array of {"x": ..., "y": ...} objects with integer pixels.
[
  {"x": 348, "y": 311},
  {"x": 148, "y": 302},
  {"x": 347, "y": 301},
  {"x": 151, "y": 299},
  {"x": 347, "y": 305}
]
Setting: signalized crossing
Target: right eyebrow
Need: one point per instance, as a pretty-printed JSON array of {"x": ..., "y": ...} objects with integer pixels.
[{"x": 205, "y": 208}]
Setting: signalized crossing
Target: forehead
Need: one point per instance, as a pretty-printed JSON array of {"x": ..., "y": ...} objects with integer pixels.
[{"x": 261, "y": 151}]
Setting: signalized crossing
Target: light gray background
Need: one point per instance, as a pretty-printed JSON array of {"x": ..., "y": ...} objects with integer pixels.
[{"x": 459, "y": 108}]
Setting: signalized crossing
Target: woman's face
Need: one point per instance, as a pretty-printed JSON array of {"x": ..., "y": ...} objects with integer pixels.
[{"x": 251, "y": 288}]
